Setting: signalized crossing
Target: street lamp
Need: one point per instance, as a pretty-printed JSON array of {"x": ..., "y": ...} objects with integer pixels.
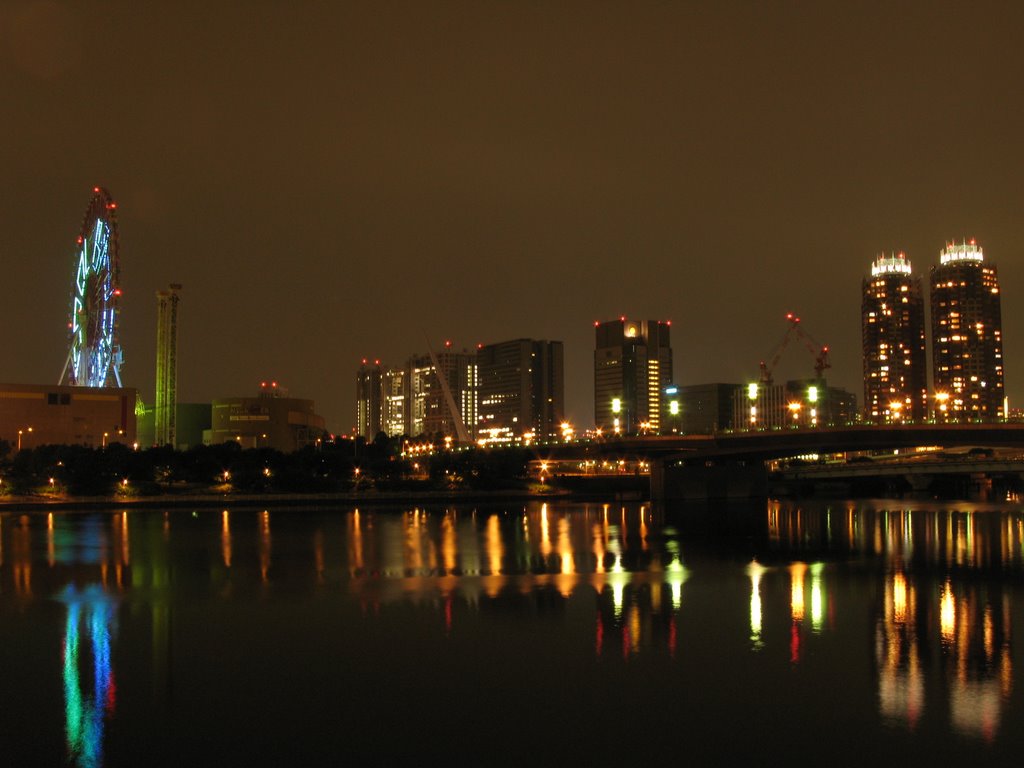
[
  {"x": 20, "y": 433},
  {"x": 794, "y": 408},
  {"x": 105, "y": 436}
]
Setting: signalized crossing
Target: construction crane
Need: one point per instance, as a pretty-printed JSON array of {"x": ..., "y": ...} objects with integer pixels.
[{"x": 820, "y": 351}]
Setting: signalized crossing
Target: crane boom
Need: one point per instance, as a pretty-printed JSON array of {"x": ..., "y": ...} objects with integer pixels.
[{"x": 820, "y": 352}]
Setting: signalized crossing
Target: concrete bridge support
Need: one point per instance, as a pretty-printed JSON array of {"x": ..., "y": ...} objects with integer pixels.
[{"x": 716, "y": 481}]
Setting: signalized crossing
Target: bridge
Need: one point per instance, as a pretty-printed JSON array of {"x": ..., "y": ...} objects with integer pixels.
[
  {"x": 732, "y": 464},
  {"x": 915, "y": 471}
]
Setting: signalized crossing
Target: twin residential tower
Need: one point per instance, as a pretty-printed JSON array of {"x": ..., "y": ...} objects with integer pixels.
[{"x": 966, "y": 336}]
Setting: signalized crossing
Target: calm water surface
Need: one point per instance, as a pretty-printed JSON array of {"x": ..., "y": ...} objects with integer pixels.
[{"x": 562, "y": 633}]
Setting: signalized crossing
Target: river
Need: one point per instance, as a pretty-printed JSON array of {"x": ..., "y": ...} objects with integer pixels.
[{"x": 510, "y": 634}]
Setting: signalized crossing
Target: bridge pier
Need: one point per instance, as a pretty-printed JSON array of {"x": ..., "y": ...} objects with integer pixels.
[{"x": 736, "y": 480}]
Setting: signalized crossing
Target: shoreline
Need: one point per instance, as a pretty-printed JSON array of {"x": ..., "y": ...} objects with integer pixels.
[{"x": 250, "y": 500}]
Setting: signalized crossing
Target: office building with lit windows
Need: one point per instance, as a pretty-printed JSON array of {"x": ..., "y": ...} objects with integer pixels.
[
  {"x": 369, "y": 399},
  {"x": 411, "y": 401},
  {"x": 632, "y": 369},
  {"x": 382, "y": 395},
  {"x": 394, "y": 401},
  {"x": 893, "y": 337},
  {"x": 521, "y": 391},
  {"x": 967, "y": 344},
  {"x": 427, "y": 408},
  {"x": 801, "y": 403}
]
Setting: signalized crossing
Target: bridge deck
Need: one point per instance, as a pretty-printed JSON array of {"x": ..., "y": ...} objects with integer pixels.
[{"x": 781, "y": 443}]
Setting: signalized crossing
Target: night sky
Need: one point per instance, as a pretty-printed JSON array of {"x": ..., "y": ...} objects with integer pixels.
[{"x": 332, "y": 181}]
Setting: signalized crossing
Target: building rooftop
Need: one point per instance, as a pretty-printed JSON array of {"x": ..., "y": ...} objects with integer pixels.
[
  {"x": 896, "y": 262},
  {"x": 968, "y": 250}
]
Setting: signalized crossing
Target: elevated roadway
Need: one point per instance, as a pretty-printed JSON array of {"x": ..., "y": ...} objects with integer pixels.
[
  {"x": 731, "y": 464},
  {"x": 763, "y": 445}
]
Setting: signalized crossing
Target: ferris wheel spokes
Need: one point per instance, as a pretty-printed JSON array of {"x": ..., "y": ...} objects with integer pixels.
[{"x": 94, "y": 354}]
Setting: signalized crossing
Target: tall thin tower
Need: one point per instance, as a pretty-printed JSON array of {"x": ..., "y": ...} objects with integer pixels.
[{"x": 165, "y": 416}]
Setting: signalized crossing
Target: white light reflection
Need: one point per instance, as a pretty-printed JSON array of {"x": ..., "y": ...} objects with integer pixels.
[
  {"x": 755, "y": 571},
  {"x": 675, "y": 575},
  {"x": 817, "y": 601},
  {"x": 618, "y": 578}
]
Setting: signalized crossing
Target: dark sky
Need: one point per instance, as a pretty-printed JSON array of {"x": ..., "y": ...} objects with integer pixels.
[{"x": 335, "y": 180}]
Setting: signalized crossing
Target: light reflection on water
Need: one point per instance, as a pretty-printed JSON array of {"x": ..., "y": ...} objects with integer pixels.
[
  {"x": 929, "y": 594},
  {"x": 91, "y": 610}
]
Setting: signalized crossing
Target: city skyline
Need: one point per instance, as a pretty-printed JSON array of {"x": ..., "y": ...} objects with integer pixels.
[{"x": 334, "y": 183}]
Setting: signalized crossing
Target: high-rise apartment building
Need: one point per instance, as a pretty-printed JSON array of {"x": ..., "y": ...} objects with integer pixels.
[
  {"x": 632, "y": 368},
  {"x": 967, "y": 343},
  {"x": 521, "y": 393},
  {"x": 892, "y": 333}
]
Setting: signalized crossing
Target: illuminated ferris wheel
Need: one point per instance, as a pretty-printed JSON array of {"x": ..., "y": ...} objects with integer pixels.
[{"x": 94, "y": 353}]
